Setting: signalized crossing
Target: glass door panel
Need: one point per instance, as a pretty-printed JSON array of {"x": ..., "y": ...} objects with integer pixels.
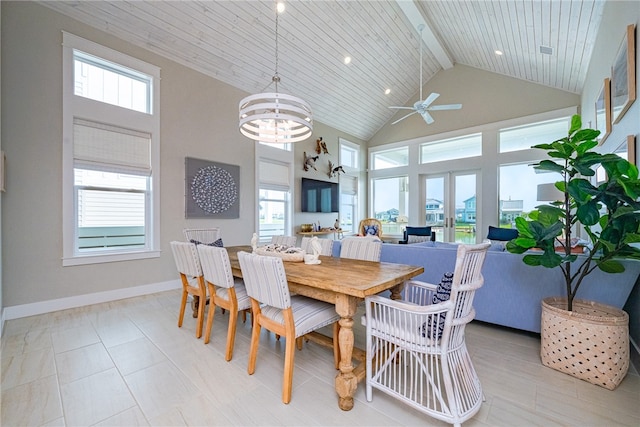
[{"x": 450, "y": 206}]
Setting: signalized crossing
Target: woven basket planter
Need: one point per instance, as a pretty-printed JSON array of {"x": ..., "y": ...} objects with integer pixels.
[{"x": 590, "y": 343}]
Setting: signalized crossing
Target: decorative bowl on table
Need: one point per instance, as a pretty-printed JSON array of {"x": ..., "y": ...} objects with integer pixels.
[{"x": 305, "y": 228}]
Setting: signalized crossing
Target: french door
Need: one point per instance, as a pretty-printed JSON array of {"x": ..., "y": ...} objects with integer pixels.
[{"x": 450, "y": 205}]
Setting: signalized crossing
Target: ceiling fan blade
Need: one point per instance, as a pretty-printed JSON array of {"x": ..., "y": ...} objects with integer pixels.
[
  {"x": 445, "y": 107},
  {"x": 430, "y": 99},
  {"x": 402, "y": 118},
  {"x": 402, "y": 108},
  {"x": 427, "y": 117}
]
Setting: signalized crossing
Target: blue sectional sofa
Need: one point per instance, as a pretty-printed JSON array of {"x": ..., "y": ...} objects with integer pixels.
[{"x": 512, "y": 290}]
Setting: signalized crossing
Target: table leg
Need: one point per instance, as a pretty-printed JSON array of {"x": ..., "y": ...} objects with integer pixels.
[
  {"x": 346, "y": 381},
  {"x": 396, "y": 291}
]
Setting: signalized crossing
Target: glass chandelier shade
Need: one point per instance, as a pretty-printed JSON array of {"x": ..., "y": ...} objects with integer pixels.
[{"x": 275, "y": 117}]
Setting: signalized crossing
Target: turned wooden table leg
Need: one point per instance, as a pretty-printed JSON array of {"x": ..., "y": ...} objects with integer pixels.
[{"x": 346, "y": 381}]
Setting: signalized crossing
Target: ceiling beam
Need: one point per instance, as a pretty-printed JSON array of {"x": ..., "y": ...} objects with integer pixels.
[{"x": 415, "y": 17}]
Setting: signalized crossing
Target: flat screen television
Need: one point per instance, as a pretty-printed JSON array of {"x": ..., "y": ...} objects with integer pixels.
[{"x": 319, "y": 196}]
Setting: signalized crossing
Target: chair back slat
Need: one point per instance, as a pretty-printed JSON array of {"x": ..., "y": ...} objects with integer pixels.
[
  {"x": 186, "y": 258},
  {"x": 325, "y": 244},
  {"x": 216, "y": 267},
  {"x": 362, "y": 248},
  {"x": 265, "y": 279}
]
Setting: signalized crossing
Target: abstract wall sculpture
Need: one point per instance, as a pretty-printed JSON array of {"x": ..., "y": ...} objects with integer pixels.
[{"x": 212, "y": 189}]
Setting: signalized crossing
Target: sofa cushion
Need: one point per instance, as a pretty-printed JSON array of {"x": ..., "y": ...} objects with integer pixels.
[{"x": 218, "y": 243}]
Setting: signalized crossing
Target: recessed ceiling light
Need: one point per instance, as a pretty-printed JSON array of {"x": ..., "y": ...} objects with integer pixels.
[
  {"x": 347, "y": 60},
  {"x": 280, "y": 7},
  {"x": 387, "y": 91},
  {"x": 498, "y": 52}
]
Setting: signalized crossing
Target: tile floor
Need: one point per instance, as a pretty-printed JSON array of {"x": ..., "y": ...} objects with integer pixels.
[{"x": 126, "y": 363}]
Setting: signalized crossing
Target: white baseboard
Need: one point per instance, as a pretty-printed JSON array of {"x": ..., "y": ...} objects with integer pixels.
[{"x": 32, "y": 309}]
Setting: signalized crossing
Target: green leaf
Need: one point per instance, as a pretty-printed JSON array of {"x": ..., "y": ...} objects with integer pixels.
[
  {"x": 549, "y": 165},
  {"x": 576, "y": 123},
  {"x": 611, "y": 266},
  {"x": 588, "y": 214}
]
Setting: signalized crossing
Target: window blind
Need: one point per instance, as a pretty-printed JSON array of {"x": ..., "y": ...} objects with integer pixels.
[
  {"x": 348, "y": 185},
  {"x": 97, "y": 146},
  {"x": 274, "y": 176}
]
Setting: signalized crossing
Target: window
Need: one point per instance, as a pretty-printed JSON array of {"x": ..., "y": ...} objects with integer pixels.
[
  {"x": 348, "y": 203},
  {"x": 349, "y": 153},
  {"x": 111, "y": 166},
  {"x": 104, "y": 81},
  {"x": 391, "y": 203},
  {"x": 524, "y": 137},
  {"x": 518, "y": 191},
  {"x": 272, "y": 210},
  {"x": 390, "y": 158},
  {"x": 451, "y": 149},
  {"x": 274, "y": 194}
]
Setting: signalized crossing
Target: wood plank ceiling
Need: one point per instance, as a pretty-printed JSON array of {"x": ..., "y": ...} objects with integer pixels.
[{"x": 234, "y": 41}]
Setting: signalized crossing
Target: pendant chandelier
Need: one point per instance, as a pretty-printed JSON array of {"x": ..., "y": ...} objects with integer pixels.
[{"x": 275, "y": 117}]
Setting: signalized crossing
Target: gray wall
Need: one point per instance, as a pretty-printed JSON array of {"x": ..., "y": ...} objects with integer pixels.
[
  {"x": 198, "y": 119},
  {"x": 485, "y": 97},
  {"x": 617, "y": 15}
]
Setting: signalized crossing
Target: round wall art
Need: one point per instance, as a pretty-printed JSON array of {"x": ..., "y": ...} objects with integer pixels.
[{"x": 212, "y": 189}]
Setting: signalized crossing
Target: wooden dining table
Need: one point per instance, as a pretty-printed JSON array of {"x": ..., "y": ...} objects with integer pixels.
[{"x": 344, "y": 283}]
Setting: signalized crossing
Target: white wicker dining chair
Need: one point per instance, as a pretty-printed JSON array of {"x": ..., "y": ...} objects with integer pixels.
[
  {"x": 416, "y": 349},
  {"x": 225, "y": 291},
  {"x": 325, "y": 244},
  {"x": 284, "y": 240},
  {"x": 362, "y": 248},
  {"x": 188, "y": 264},
  {"x": 275, "y": 309}
]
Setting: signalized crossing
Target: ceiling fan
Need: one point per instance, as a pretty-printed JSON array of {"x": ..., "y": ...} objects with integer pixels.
[{"x": 424, "y": 106}]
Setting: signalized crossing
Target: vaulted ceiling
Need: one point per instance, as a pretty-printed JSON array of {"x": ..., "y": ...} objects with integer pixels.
[{"x": 234, "y": 42}]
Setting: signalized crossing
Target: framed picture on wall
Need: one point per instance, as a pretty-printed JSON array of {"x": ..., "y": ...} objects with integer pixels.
[
  {"x": 623, "y": 76},
  {"x": 603, "y": 111},
  {"x": 212, "y": 189}
]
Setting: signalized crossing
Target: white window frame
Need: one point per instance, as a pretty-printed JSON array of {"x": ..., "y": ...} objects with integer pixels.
[{"x": 99, "y": 112}]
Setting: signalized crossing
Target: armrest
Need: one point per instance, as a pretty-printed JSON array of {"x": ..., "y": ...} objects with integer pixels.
[
  {"x": 418, "y": 292},
  {"x": 399, "y": 305}
]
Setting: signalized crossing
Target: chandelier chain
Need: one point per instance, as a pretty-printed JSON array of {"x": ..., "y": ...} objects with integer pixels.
[{"x": 276, "y": 77}]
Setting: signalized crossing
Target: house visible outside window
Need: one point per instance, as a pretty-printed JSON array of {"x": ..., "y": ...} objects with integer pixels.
[
  {"x": 111, "y": 155},
  {"x": 391, "y": 203}
]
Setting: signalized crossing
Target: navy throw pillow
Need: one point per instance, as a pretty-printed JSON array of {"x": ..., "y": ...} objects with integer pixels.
[
  {"x": 503, "y": 234},
  {"x": 217, "y": 243},
  {"x": 434, "y": 327},
  {"x": 419, "y": 231},
  {"x": 370, "y": 230}
]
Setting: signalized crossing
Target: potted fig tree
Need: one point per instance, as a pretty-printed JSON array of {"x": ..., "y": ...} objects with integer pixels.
[{"x": 586, "y": 339}]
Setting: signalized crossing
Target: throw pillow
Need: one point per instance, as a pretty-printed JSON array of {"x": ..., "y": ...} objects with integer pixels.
[
  {"x": 370, "y": 230},
  {"x": 218, "y": 243},
  {"x": 433, "y": 329},
  {"x": 502, "y": 234}
]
